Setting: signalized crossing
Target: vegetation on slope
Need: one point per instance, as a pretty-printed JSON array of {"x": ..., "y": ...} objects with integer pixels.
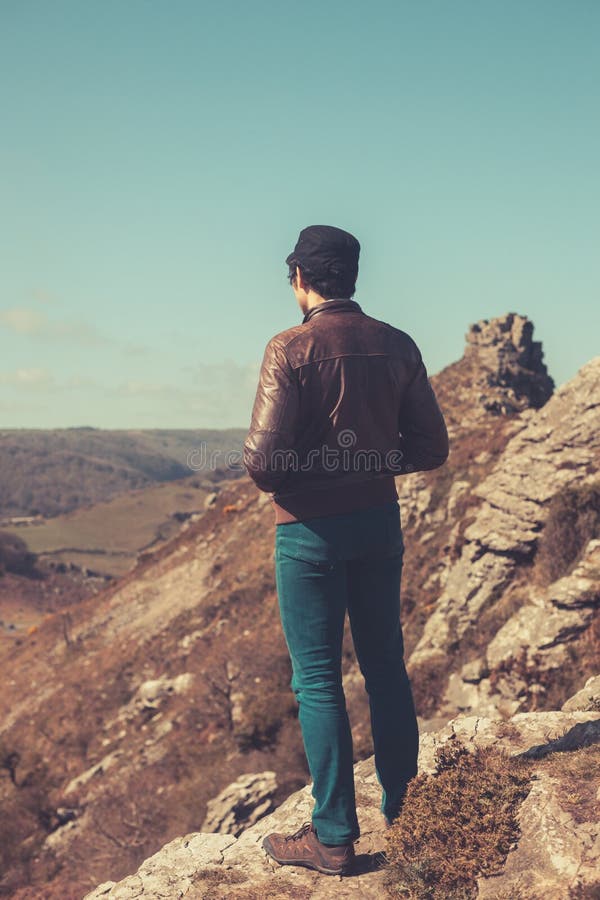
[{"x": 460, "y": 823}]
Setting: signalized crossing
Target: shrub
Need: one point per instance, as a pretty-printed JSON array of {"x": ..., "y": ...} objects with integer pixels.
[
  {"x": 573, "y": 520},
  {"x": 15, "y": 555},
  {"x": 456, "y": 825},
  {"x": 428, "y": 681}
]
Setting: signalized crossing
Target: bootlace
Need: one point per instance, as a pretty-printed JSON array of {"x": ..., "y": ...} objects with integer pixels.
[{"x": 300, "y": 833}]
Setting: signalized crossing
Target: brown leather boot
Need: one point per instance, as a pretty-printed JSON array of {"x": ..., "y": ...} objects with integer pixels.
[{"x": 303, "y": 848}]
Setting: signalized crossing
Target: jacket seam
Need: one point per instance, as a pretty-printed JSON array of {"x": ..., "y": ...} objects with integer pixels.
[
  {"x": 310, "y": 362},
  {"x": 394, "y": 332}
]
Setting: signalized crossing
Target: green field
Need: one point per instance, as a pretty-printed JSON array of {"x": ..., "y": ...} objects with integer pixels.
[
  {"x": 107, "y": 536},
  {"x": 102, "y": 496}
]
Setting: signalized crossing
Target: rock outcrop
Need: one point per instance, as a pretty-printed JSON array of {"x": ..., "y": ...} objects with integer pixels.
[
  {"x": 559, "y": 850},
  {"x": 588, "y": 698},
  {"x": 557, "y": 447},
  {"x": 512, "y": 374},
  {"x": 500, "y": 374},
  {"x": 241, "y": 804},
  {"x": 530, "y": 649}
]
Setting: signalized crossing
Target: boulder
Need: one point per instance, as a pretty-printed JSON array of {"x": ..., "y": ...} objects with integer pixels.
[{"x": 241, "y": 804}]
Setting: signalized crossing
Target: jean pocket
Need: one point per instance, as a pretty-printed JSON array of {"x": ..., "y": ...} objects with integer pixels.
[{"x": 311, "y": 549}]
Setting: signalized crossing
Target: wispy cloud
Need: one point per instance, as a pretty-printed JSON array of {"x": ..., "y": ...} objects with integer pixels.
[
  {"x": 139, "y": 388},
  {"x": 39, "y": 295},
  {"x": 35, "y": 323},
  {"x": 23, "y": 321},
  {"x": 30, "y": 379},
  {"x": 227, "y": 374},
  {"x": 33, "y": 378},
  {"x": 218, "y": 395},
  {"x": 80, "y": 381}
]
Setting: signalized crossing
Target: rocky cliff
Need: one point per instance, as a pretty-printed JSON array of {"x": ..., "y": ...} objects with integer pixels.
[
  {"x": 555, "y": 854},
  {"x": 555, "y": 451},
  {"x": 125, "y": 721},
  {"x": 501, "y": 372}
]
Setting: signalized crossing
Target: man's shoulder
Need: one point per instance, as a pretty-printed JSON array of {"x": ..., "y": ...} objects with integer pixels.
[
  {"x": 283, "y": 338},
  {"x": 400, "y": 338}
]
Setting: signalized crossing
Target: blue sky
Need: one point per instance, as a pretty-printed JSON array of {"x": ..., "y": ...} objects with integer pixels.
[{"x": 158, "y": 160}]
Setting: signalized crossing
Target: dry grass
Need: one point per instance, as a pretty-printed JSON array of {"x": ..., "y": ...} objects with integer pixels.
[
  {"x": 589, "y": 891},
  {"x": 543, "y": 690},
  {"x": 573, "y": 520},
  {"x": 456, "y": 825},
  {"x": 208, "y": 881},
  {"x": 428, "y": 682},
  {"x": 216, "y": 883},
  {"x": 579, "y": 774}
]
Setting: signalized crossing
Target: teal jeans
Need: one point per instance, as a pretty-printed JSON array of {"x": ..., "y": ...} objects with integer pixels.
[{"x": 325, "y": 566}]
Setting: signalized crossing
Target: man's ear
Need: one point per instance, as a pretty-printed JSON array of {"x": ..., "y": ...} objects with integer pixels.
[{"x": 299, "y": 282}]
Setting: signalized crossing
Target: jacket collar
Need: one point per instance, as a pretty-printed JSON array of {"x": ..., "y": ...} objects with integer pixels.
[{"x": 332, "y": 306}]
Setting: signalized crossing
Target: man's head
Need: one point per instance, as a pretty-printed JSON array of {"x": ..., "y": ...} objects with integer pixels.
[{"x": 323, "y": 265}]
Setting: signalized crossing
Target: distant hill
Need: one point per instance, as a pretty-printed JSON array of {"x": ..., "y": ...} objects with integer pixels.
[{"x": 50, "y": 472}]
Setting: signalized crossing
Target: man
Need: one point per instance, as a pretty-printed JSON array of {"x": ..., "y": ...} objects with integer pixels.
[{"x": 343, "y": 405}]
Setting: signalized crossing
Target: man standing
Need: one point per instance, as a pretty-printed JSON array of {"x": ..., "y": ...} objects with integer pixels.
[{"x": 343, "y": 405}]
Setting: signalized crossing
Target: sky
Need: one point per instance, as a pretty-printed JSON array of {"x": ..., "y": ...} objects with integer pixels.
[{"x": 158, "y": 160}]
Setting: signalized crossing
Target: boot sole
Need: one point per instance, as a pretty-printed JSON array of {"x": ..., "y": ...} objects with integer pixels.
[{"x": 344, "y": 870}]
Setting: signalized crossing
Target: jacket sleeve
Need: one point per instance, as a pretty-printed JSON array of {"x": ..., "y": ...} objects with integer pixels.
[
  {"x": 268, "y": 451},
  {"x": 421, "y": 424}
]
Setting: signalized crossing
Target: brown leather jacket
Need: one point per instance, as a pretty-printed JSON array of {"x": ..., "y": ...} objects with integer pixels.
[{"x": 343, "y": 405}]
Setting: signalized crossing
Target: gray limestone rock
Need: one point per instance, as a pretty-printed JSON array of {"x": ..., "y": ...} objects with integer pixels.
[
  {"x": 241, "y": 804},
  {"x": 567, "y": 850},
  {"x": 555, "y": 853},
  {"x": 513, "y": 375},
  {"x": 210, "y": 499},
  {"x": 588, "y": 698},
  {"x": 532, "y": 642},
  {"x": 558, "y": 446}
]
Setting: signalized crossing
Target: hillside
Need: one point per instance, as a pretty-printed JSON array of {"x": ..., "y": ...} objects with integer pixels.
[
  {"x": 121, "y": 726},
  {"x": 105, "y": 538},
  {"x": 47, "y": 472}
]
